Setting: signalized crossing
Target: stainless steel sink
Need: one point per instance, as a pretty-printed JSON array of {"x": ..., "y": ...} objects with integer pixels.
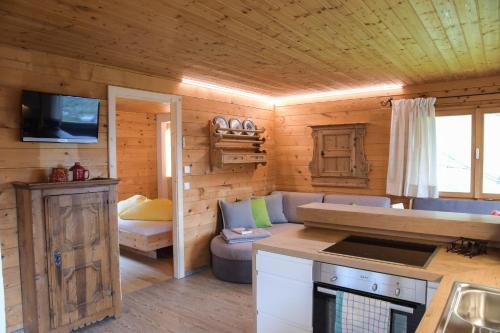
[{"x": 471, "y": 308}]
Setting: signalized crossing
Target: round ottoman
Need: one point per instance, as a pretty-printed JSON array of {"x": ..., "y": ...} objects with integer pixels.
[{"x": 231, "y": 262}]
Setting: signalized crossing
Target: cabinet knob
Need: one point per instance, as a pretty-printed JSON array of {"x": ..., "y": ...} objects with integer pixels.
[
  {"x": 374, "y": 287},
  {"x": 333, "y": 278},
  {"x": 397, "y": 291}
]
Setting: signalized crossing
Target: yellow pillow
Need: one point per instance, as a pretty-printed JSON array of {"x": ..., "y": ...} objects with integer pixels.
[
  {"x": 151, "y": 210},
  {"x": 130, "y": 202}
]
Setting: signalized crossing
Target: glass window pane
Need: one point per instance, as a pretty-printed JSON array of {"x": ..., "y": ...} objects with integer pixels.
[
  {"x": 454, "y": 135},
  {"x": 491, "y": 155}
]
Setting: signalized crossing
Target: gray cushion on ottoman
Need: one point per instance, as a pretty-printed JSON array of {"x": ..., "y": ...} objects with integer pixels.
[
  {"x": 237, "y": 214},
  {"x": 291, "y": 200},
  {"x": 233, "y": 262},
  {"x": 274, "y": 205},
  {"x": 360, "y": 200}
]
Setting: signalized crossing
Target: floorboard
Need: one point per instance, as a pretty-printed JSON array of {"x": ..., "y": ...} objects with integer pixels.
[
  {"x": 138, "y": 272},
  {"x": 198, "y": 303}
]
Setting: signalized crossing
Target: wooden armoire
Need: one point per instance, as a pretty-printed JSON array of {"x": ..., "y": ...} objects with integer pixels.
[{"x": 68, "y": 254}]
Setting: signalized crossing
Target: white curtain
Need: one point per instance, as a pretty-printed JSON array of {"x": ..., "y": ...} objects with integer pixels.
[{"x": 412, "y": 167}]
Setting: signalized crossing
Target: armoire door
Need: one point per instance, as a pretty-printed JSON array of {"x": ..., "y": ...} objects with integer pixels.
[
  {"x": 337, "y": 153},
  {"x": 78, "y": 256}
]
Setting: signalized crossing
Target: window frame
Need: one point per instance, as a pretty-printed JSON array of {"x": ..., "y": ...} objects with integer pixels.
[{"x": 477, "y": 142}]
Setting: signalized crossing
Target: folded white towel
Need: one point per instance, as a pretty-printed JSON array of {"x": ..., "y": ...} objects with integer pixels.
[
  {"x": 232, "y": 237},
  {"x": 358, "y": 314}
]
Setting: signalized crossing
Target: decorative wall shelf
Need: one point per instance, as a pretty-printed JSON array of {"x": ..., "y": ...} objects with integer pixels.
[
  {"x": 338, "y": 156},
  {"x": 228, "y": 148}
]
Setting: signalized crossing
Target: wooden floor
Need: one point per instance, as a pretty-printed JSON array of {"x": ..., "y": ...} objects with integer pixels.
[
  {"x": 138, "y": 272},
  {"x": 199, "y": 303}
]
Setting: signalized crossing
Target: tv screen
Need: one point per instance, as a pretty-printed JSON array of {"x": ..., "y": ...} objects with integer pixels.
[{"x": 59, "y": 118}]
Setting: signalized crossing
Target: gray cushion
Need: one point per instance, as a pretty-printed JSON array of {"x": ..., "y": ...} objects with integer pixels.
[
  {"x": 291, "y": 200},
  {"x": 274, "y": 205},
  {"x": 457, "y": 205},
  {"x": 237, "y": 214},
  {"x": 243, "y": 251},
  {"x": 360, "y": 200}
]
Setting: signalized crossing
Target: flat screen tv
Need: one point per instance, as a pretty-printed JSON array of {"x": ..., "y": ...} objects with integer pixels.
[{"x": 59, "y": 118}]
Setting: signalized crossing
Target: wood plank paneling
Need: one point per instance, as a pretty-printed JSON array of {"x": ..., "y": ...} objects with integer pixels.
[
  {"x": 275, "y": 47},
  {"x": 31, "y": 162},
  {"x": 294, "y": 144},
  {"x": 136, "y": 151}
]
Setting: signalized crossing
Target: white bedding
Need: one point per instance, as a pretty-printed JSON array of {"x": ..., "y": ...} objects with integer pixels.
[{"x": 146, "y": 228}]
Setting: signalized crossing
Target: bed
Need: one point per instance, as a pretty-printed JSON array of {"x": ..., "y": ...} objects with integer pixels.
[{"x": 145, "y": 236}]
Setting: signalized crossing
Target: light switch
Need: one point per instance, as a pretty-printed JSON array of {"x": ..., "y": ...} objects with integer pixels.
[
  {"x": 187, "y": 169},
  {"x": 187, "y": 186}
]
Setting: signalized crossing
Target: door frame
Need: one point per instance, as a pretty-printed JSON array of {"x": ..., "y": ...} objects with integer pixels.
[{"x": 175, "y": 102}]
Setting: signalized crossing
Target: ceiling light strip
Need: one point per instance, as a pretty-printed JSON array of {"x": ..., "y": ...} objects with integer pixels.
[
  {"x": 293, "y": 98},
  {"x": 229, "y": 90}
]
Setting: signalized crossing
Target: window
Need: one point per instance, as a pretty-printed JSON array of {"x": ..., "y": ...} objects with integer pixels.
[
  {"x": 467, "y": 153},
  {"x": 454, "y": 142}
]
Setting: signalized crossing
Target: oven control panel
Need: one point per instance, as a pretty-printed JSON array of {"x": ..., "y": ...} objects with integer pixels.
[{"x": 398, "y": 287}]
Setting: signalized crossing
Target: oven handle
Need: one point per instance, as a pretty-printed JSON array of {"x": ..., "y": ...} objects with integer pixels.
[{"x": 392, "y": 306}]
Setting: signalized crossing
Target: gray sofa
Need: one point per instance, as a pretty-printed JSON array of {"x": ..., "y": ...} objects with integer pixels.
[
  {"x": 233, "y": 262},
  {"x": 457, "y": 205}
]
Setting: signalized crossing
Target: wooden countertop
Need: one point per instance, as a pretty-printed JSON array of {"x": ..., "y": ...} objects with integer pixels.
[{"x": 448, "y": 267}]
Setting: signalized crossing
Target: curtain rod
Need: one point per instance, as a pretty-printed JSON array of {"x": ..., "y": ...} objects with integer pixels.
[{"x": 388, "y": 101}]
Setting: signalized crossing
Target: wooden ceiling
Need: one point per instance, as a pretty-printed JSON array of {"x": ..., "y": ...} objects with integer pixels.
[{"x": 276, "y": 47}]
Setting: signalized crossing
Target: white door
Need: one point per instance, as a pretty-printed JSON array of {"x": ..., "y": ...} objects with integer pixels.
[{"x": 164, "y": 153}]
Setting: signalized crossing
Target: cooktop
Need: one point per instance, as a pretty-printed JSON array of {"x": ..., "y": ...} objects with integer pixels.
[{"x": 392, "y": 251}]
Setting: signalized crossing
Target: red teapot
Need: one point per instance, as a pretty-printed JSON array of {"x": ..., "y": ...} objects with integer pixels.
[{"x": 79, "y": 172}]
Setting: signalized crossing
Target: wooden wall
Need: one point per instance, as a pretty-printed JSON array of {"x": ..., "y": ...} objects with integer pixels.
[
  {"x": 136, "y": 154},
  {"x": 294, "y": 142},
  {"x": 22, "y": 69}
]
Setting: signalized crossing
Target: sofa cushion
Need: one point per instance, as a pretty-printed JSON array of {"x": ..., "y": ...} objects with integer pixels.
[
  {"x": 360, "y": 200},
  {"x": 237, "y": 214},
  {"x": 291, "y": 200},
  {"x": 457, "y": 205},
  {"x": 243, "y": 251},
  {"x": 274, "y": 204},
  {"x": 260, "y": 214}
]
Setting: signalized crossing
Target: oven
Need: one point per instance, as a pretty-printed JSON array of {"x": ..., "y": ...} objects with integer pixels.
[{"x": 407, "y": 297}]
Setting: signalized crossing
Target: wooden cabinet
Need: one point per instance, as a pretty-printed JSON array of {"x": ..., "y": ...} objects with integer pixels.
[
  {"x": 68, "y": 246},
  {"x": 284, "y": 293},
  {"x": 338, "y": 156}
]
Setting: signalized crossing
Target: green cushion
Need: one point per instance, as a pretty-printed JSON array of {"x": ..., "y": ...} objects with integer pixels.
[{"x": 260, "y": 214}]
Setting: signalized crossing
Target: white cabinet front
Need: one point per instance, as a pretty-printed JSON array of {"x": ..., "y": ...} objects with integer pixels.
[{"x": 284, "y": 293}]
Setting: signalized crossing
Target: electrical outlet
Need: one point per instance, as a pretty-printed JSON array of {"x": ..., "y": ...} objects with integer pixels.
[{"x": 187, "y": 186}]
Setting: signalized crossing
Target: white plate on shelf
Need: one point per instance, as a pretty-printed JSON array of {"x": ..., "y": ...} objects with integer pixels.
[
  {"x": 248, "y": 124},
  {"x": 221, "y": 121},
  {"x": 235, "y": 123}
]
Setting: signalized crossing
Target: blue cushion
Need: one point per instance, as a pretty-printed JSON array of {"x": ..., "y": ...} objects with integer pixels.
[
  {"x": 359, "y": 200},
  {"x": 457, "y": 205},
  {"x": 274, "y": 204},
  {"x": 237, "y": 214}
]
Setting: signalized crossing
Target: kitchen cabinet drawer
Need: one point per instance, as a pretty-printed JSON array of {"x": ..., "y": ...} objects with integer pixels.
[
  {"x": 269, "y": 324},
  {"x": 285, "y": 266},
  {"x": 286, "y": 299}
]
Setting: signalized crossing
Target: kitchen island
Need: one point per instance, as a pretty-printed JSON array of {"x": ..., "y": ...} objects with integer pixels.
[{"x": 305, "y": 245}]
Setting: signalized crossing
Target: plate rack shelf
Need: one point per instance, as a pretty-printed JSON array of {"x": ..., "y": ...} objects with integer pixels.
[{"x": 227, "y": 148}]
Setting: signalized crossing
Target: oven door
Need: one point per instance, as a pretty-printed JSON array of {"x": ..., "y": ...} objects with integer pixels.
[{"x": 405, "y": 316}]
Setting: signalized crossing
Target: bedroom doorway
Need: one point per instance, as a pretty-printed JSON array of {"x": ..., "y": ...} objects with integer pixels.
[{"x": 145, "y": 152}]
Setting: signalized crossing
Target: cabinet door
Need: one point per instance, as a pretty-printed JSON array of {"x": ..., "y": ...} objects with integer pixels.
[
  {"x": 337, "y": 153},
  {"x": 284, "y": 293},
  {"x": 78, "y": 256}
]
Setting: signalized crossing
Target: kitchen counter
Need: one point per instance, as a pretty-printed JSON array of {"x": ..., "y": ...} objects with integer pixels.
[{"x": 306, "y": 243}]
